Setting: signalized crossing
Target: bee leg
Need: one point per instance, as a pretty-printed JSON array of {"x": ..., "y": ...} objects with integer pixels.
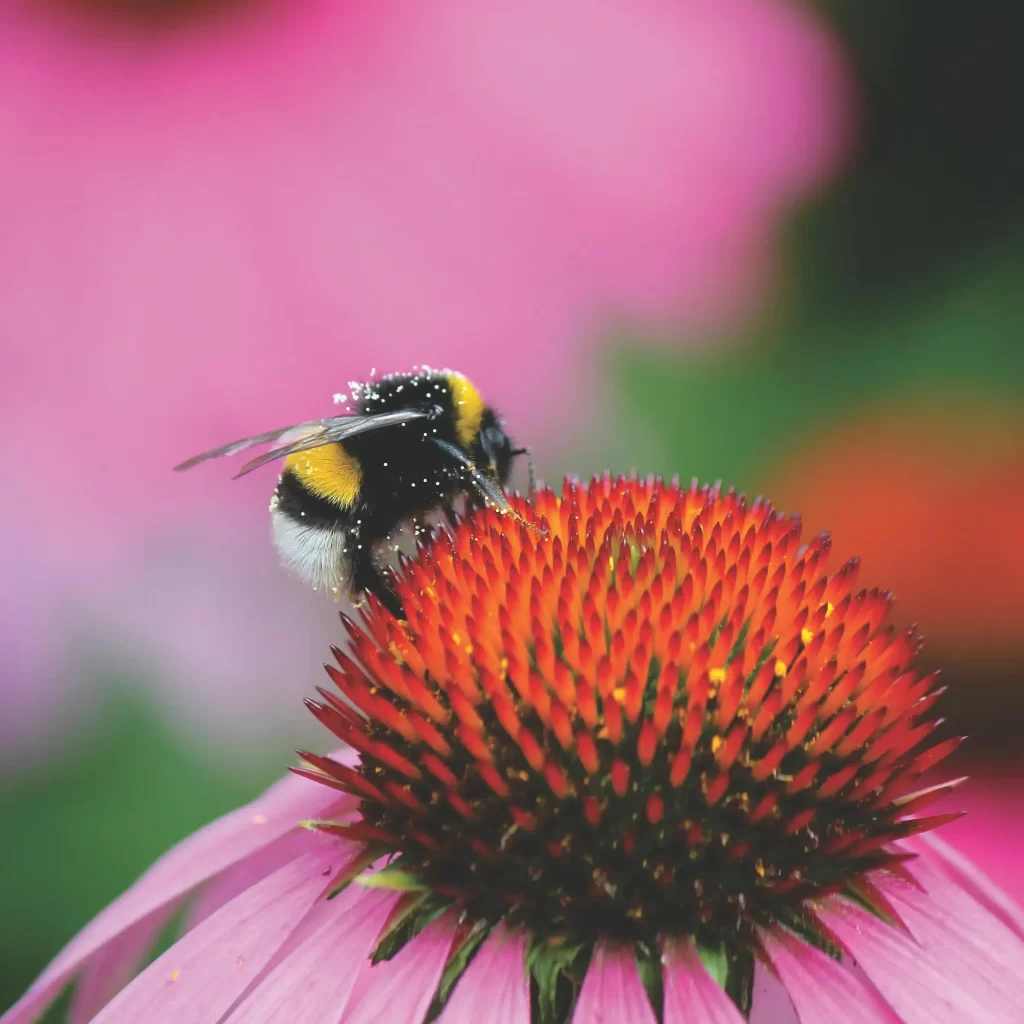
[
  {"x": 531, "y": 474},
  {"x": 368, "y": 577},
  {"x": 531, "y": 471}
]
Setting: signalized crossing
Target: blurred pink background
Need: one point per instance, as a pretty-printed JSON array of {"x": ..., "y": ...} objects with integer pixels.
[
  {"x": 210, "y": 227},
  {"x": 775, "y": 242}
]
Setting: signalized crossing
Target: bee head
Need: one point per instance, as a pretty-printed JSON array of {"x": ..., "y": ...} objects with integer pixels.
[{"x": 493, "y": 447}]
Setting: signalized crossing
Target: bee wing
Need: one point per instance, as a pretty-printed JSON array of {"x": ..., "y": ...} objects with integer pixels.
[
  {"x": 233, "y": 447},
  {"x": 314, "y": 434},
  {"x": 337, "y": 429}
]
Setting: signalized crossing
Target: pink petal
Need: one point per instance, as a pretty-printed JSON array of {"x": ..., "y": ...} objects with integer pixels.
[
  {"x": 200, "y": 976},
  {"x": 992, "y": 831},
  {"x": 495, "y": 987},
  {"x": 949, "y": 902},
  {"x": 976, "y": 882},
  {"x": 245, "y": 874},
  {"x": 113, "y": 966},
  {"x": 400, "y": 990},
  {"x": 973, "y": 948},
  {"x": 771, "y": 1002},
  {"x": 612, "y": 990},
  {"x": 820, "y": 988},
  {"x": 691, "y": 994},
  {"x": 912, "y": 980},
  {"x": 314, "y": 980},
  {"x": 206, "y": 853}
]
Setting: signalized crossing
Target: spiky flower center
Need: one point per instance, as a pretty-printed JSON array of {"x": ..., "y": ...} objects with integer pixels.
[{"x": 658, "y": 714}]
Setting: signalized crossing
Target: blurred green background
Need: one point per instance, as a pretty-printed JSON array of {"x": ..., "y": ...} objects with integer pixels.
[{"x": 886, "y": 374}]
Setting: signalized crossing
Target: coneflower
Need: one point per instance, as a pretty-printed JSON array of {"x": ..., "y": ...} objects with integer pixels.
[{"x": 640, "y": 759}]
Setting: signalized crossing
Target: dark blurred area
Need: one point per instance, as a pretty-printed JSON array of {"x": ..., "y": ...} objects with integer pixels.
[
  {"x": 935, "y": 185},
  {"x": 876, "y": 387}
]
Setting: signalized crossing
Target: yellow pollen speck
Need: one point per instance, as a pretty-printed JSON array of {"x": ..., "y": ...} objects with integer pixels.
[
  {"x": 175, "y": 975},
  {"x": 717, "y": 675},
  {"x": 258, "y": 819},
  {"x": 829, "y": 608},
  {"x": 456, "y": 639},
  {"x": 619, "y": 693},
  {"x": 716, "y": 744},
  {"x": 806, "y": 636},
  {"x": 780, "y": 668},
  {"x": 759, "y": 867},
  {"x": 611, "y": 562}
]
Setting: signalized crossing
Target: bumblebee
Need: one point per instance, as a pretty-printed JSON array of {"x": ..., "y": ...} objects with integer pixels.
[{"x": 413, "y": 444}]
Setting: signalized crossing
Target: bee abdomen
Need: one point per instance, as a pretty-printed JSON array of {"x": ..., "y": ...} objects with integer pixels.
[
  {"x": 315, "y": 553},
  {"x": 311, "y": 534}
]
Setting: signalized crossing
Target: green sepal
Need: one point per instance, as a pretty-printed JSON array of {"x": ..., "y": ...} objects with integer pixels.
[
  {"x": 739, "y": 982},
  {"x": 732, "y": 970},
  {"x": 648, "y": 966},
  {"x": 558, "y": 967},
  {"x": 416, "y": 911},
  {"x": 806, "y": 928},
  {"x": 874, "y": 902},
  {"x": 459, "y": 959},
  {"x": 716, "y": 963},
  {"x": 353, "y": 868},
  {"x": 400, "y": 881}
]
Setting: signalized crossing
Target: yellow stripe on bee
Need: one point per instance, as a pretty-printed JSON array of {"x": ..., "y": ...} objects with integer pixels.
[
  {"x": 329, "y": 472},
  {"x": 469, "y": 409}
]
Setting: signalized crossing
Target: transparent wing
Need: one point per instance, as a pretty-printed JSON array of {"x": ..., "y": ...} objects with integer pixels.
[
  {"x": 233, "y": 447},
  {"x": 314, "y": 434},
  {"x": 333, "y": 430}
]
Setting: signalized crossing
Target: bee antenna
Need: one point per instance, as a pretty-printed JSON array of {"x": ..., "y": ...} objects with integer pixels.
[{"x": 532, "y": 472}]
